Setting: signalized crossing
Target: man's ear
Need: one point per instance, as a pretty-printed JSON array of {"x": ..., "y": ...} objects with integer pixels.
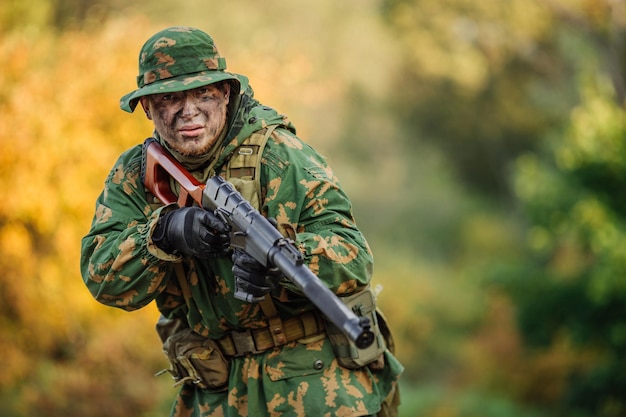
[
  {"x": 226, "y": 89},
  {"x": 144, "y": 106}
]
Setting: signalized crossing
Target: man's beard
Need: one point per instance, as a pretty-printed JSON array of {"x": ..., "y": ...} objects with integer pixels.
[{"x": 188, "y": 148}]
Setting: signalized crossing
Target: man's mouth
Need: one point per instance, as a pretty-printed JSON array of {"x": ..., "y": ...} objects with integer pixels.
[{"x": 191, "y": 130}]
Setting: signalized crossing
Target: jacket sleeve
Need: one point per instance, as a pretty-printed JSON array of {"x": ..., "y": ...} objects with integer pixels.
[
  {"x": 119, "y": 264},
  {"x": 304, "y": 196}
]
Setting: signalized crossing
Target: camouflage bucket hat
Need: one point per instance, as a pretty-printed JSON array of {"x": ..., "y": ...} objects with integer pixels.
[{"x": 177, "y": 59}]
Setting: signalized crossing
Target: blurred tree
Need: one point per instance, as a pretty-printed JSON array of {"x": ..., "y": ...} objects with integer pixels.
[
  {"x": 59, "y": 133},
  {"x": 572, "y": 285},
  {"x": 482, "y": 80},
  {"x": 569, "y": 291},
  {"x": 497, "y": 86}
]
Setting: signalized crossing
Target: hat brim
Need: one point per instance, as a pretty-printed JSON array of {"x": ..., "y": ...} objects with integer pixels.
[{"x": 175, "y": 84}]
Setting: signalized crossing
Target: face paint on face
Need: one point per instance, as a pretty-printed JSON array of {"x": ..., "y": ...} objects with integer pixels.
[{"x": 189, "y": 121}]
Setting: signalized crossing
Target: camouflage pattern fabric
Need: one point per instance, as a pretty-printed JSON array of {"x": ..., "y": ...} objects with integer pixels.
[
  {"x": 296, "y": 381},
  {"x": 176, "y": 59},
  {"x": 122, "y": 268}
]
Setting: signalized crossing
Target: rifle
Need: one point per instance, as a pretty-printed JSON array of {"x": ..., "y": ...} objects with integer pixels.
[{"x": 251, "y": 232}]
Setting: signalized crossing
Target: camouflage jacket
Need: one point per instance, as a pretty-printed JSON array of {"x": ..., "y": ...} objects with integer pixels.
[{"x": 122, "y": 268}]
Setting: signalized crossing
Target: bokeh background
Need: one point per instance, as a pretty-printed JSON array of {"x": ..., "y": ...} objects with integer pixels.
[{"x": 483, "y": 144}]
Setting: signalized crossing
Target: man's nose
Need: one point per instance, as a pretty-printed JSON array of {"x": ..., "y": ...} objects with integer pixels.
[{"x": 190, "y": 107}]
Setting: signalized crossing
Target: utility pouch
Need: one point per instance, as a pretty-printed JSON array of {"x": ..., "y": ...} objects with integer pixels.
[
  {"x": 363, "y": 304},
  {"x": 195, "y": 359}
]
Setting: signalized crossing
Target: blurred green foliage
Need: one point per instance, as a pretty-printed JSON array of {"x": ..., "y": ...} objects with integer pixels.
[
  {"x": 482, "y": 143},
  {"x": 571, "y": 285}
]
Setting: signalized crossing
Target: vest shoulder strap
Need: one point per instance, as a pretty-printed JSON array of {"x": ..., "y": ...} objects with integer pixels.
[{"x": 243, "y": 169}]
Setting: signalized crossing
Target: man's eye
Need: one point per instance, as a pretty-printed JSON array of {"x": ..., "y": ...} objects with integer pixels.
[{"x": 206, "y": 93}]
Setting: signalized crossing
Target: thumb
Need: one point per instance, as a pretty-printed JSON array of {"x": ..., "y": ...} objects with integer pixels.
[{"x": 210, "y": 220}]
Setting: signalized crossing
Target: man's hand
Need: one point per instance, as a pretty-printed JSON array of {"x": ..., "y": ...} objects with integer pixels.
[
  {"x": 191, "y": 231},
  {"x": 252, "y": 280}
]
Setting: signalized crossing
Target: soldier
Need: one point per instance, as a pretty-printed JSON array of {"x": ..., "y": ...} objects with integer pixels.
[{"x": 271, "y": 352}]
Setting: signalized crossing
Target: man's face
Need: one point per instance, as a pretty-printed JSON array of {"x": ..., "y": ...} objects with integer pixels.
[{"x": 189, "y": 121}]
